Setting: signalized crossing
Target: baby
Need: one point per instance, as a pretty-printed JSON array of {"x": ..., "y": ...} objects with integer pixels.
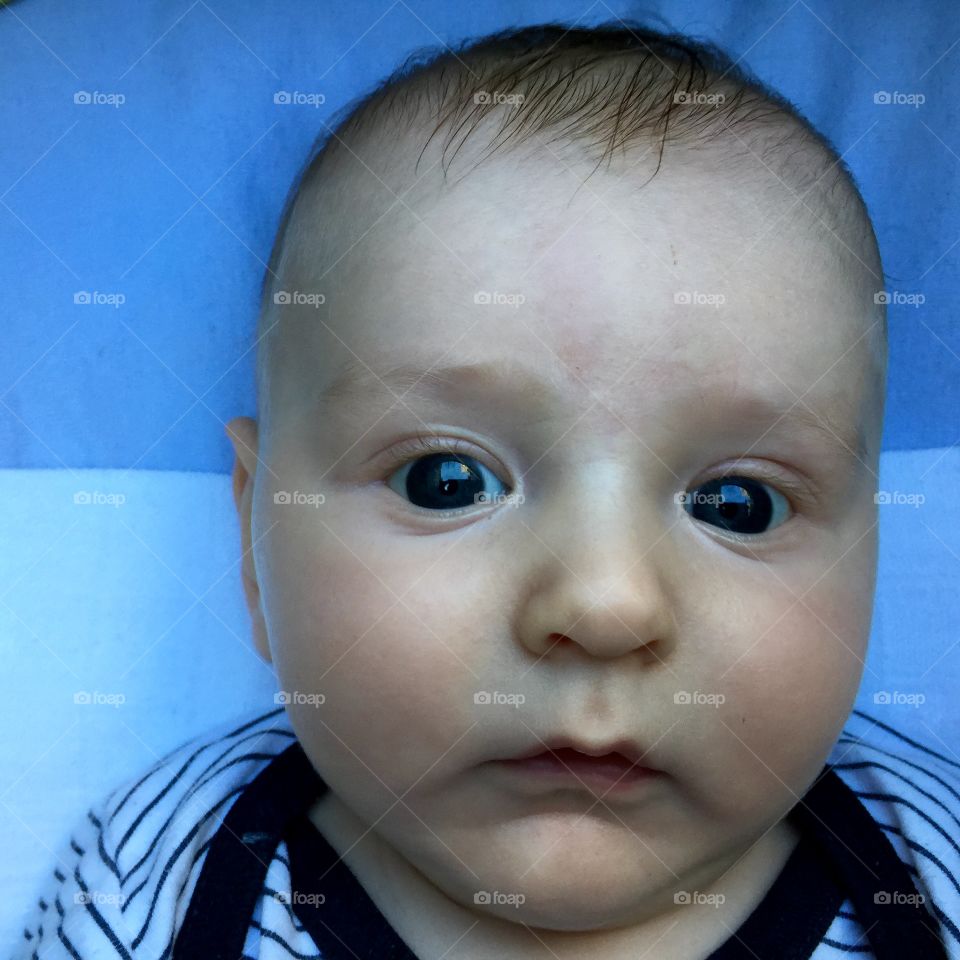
[{"x": 558, "y": 526}]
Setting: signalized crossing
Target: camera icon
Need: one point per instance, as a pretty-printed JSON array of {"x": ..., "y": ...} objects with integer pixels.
[
  {"x": 82, "y": 96},
  {"x": 281, "y": 96}
]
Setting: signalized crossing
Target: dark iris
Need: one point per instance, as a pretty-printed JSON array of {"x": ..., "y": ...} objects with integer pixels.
[
  {"x": 442, "y": 481},
  {"x": 737, "y": 504}
]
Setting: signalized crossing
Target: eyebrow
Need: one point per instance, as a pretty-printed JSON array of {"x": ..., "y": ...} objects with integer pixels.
[{"x": 514, "y": 382}]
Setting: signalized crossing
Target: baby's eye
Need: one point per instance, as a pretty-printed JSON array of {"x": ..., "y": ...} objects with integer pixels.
[
  {"x": 739, "y": 504},
  {"x": 446, "y": 481}
]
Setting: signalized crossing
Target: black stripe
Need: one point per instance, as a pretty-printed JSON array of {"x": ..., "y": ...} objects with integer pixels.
[
  {"x": 105, "y": 857},
  {"x": 916, "y": 766},
  {"x": 882, "y": 766},
  {"x": 215, "y": 926},
  {"x": 166, "y": 758},
  {"x": 264, "y": 932},
  {"x": 946, "y": 921},
  {"x": 176, "y": 856},
  {"x": 194, "y": 788},
  {"x": 176, "y": 779},
  {"x": 847, "y": 947},
  {"x": 100, "y": 922},
  {"x": 906, "y": 739},
  {"x": 67, "y": 944},
  {"x": 60, "y": 934},
  {"x": 868, "y": 864},
  {"x": 279, "y": 897},
  {"x": 168, "y": 949},
  {"x": 920, "y": 849},
  {"x": 893, "y": 798}
]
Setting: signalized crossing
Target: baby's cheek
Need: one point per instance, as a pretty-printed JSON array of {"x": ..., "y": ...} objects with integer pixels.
[
  {"x": 791, "y": 691},
  {"x": 392, "y": 672}
]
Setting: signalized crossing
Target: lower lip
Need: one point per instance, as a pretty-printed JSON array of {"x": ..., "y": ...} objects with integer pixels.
[{"x": 605, "y": 774}]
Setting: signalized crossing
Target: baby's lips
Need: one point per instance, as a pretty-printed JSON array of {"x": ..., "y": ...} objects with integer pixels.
[{"x": 629, "y": 749}]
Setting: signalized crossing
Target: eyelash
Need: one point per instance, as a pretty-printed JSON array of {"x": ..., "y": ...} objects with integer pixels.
[
  {"x": 423, "y": 443},
  {"x": 430, "y": 443}
]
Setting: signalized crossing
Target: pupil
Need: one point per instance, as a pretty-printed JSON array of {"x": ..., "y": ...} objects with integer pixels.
[{"x": 441, "y": 481}]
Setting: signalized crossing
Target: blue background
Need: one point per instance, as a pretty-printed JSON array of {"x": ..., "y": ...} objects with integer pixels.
[{"x": 173, "y": 198}]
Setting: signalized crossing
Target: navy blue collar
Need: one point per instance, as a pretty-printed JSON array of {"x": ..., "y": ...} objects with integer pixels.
[{"x": 842, "y": 853}]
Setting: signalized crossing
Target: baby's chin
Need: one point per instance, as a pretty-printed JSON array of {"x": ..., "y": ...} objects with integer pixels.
[{"x": 562, "y": 872}]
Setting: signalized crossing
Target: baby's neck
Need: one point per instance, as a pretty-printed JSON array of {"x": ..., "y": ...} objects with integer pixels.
[{"x": 434, "y": 926}]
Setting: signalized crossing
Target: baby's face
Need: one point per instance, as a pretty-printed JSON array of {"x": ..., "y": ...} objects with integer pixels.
[{"x": 727, "y": 642}]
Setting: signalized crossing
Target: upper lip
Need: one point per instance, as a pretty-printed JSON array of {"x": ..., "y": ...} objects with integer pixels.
[{"x": 628, "y": 749}]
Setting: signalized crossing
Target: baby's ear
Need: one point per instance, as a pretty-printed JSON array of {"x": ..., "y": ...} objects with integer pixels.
[{"x": 242, "y": 432}]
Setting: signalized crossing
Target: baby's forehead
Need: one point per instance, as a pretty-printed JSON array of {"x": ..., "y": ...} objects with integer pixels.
[
  {"x": 697, "y": 265},
  {"x": 546, "y": 235}
]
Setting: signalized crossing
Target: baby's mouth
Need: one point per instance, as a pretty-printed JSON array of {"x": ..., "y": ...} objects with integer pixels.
[{"x": 611, "y": 770}]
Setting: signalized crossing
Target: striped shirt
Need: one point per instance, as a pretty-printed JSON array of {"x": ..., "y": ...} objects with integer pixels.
[{"x": 199, "y": 856}]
